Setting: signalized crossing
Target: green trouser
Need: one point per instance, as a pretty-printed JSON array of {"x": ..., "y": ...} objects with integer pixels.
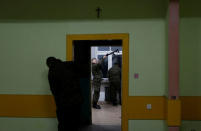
[
  {"x": 114, "y": 88},
  {"x": 96, "y": 86}
]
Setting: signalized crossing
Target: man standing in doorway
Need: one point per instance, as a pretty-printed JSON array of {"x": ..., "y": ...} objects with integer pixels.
[
  {"x": 97, "y": 78},
  {"x": 114, "y": 75}
]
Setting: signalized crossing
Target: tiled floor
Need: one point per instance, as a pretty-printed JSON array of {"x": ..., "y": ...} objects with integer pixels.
[
  {"x": 108, "y": 118},
  {"x": 107, "y": 115},
  {"x": 102, "y": 128}
]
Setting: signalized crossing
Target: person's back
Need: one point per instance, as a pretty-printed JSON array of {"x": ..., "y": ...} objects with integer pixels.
[
  {"x": 54, "y": 77},
  {"x": 70, "y": 85},
  {"x": 114, "y": 75},
  {"x": 71, "y": 98},
  {"x": 64, "y": 85}
]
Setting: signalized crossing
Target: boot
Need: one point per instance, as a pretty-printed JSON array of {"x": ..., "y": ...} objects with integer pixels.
[
  {"x": 96, "y": 106},
  {"x": 114, "y": 103}
]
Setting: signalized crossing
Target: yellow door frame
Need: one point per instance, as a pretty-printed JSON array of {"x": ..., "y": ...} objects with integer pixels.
[{"x": 125, "y": 61}]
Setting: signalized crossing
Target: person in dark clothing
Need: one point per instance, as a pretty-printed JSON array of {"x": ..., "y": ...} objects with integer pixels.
[
  {"x": 64, "y": 85},
  {"x": 114, "y": 75},
  {"x": 97, "y": 78}
]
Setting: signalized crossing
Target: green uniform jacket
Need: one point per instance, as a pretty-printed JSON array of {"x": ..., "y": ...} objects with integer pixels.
[
  {"x": 114, "y": 74},
  {"x": 97, "y": 72}
]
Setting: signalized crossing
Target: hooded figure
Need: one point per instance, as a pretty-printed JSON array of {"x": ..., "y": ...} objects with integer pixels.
[{"x": 64, "y": 85}]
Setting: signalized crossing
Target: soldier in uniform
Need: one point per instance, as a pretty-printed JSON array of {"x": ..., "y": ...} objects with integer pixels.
[
  {"x": 114, "y": 75},
  {"x": 64, "y": 86},
  {"x": 97, "y": 78}
]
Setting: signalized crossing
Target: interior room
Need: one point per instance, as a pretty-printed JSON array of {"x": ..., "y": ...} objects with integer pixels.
[
  {"x": 110, "y": 115},
  {"x": 161, "y": 61}
]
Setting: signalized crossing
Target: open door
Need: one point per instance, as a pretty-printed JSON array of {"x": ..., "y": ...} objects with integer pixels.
[
  {"x": 82, "y": 57},
  {"x": 75, "y": 48}
]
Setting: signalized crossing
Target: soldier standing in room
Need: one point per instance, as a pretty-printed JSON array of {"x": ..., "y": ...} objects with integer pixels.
[
  {"x": 97, "y": 78},
  {"x": 114, "y": 75},
  {"x": 63, "y": 81}
]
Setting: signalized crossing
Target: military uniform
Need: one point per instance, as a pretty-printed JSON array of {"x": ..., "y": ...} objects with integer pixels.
[
  {"x": 97, "y": 78},
  {"x": 65, "y": 89},
  {"x": 114, "y": 75}
]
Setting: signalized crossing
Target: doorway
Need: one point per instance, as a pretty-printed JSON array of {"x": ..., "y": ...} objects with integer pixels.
[
  {"x": 78, "y": 49},
  {"x": 109, "y": 114}
]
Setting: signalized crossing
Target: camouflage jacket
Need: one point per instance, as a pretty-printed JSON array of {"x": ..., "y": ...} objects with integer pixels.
[
  {"x": 114, "y": 74},
  {"x": 97, "y": 70}
]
